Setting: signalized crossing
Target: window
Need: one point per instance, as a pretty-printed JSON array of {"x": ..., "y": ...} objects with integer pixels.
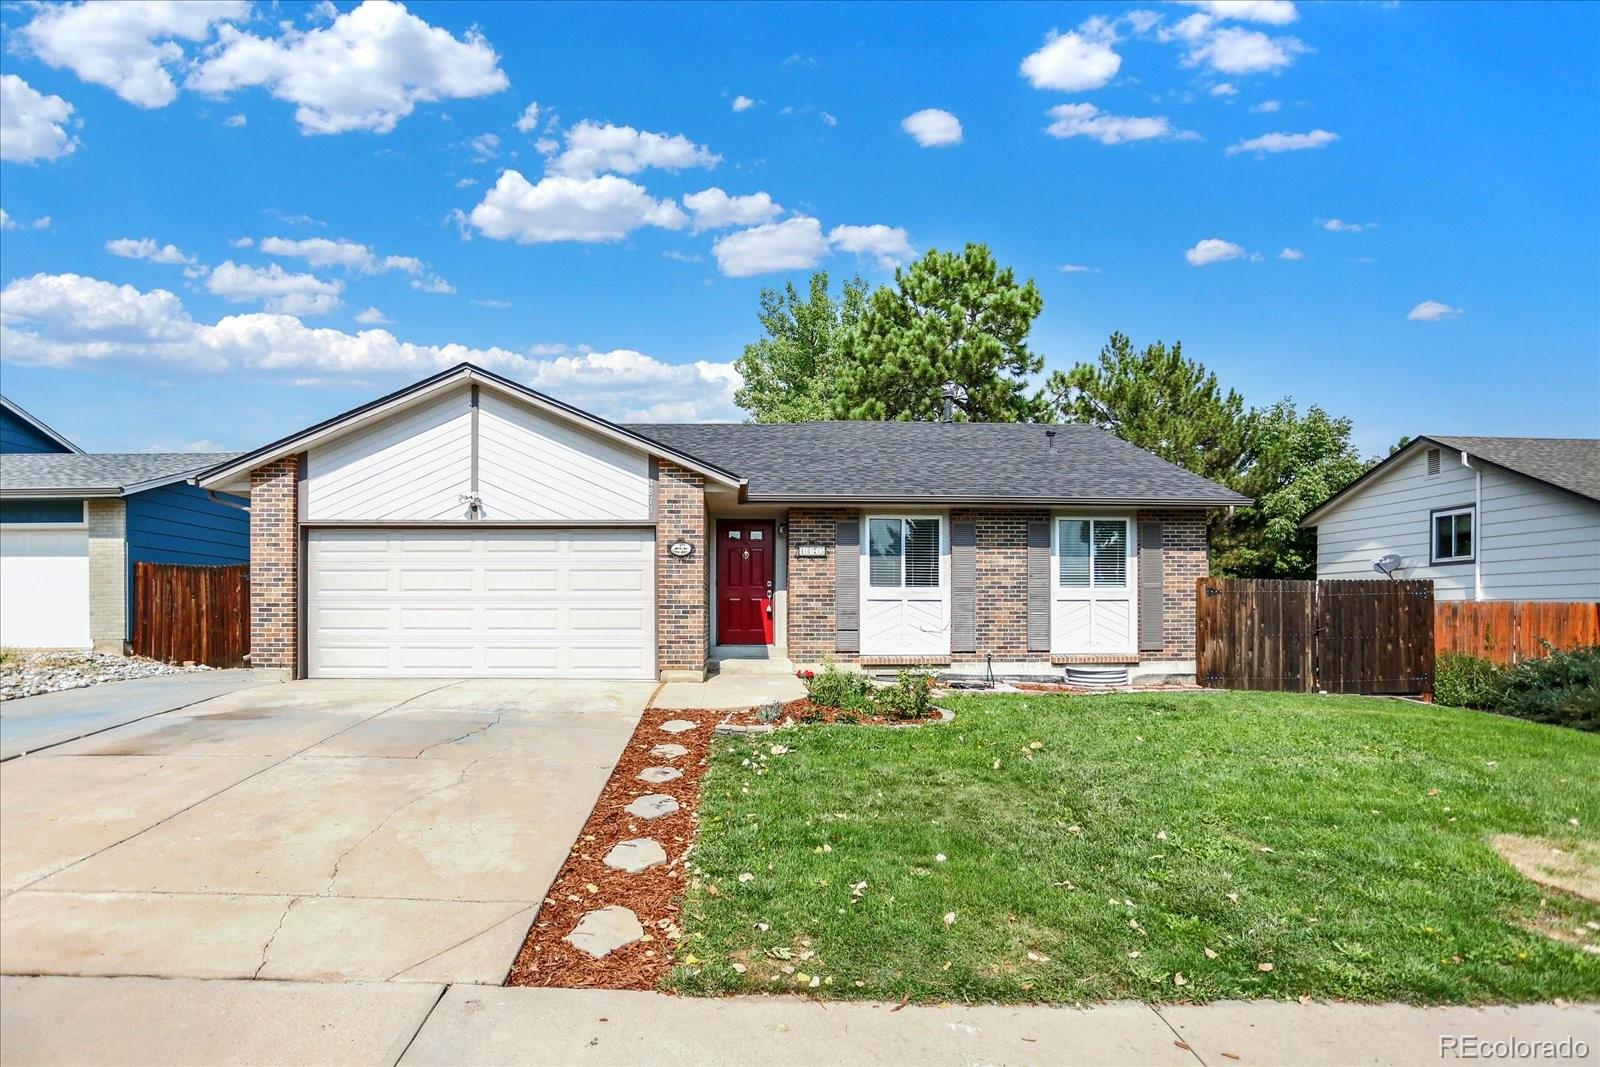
[
  {"x": 1093, "y": 553},
  {"x": 42, "y": 512},
  {"x": 903, "y": 553},
  {"x": 1452, "y": 535}
]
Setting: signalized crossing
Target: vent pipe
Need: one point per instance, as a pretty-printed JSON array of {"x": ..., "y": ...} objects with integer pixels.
[
  {"x": 948, "y": 392},
  {"x": 1050, "y": 440}
]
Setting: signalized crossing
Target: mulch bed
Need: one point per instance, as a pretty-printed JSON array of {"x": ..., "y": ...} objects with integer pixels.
[
  {"x": 586, "y": 883},
  {"x": 803, "y": 710}
]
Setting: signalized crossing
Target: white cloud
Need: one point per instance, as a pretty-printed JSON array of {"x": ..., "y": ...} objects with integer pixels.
[
  {"x": 322, "y": 252},
  {"x": 793, "y": 244},
  {"x": 678, "y": 256},
  {"x": 1341, "y": 226},
  {"x": 432, "y": 284},
  {"x": 1284, "y": 142},
  {"x": 713, "y": 209},
  {"x": 889, "y": 246},
  {"x": 743, "y": 103},
  {"x": 276, "y": 289},
  {"x": 1232, "y": 50},
  {"x": 1266, "y": 107},
  {"x": 7, "y": 222},
  {"x": 33, "y": 126},
  {"x": 235, "y": 121},
  {"x": 1271, "y": 12},
  {"x": 1078, "y": 268},
  {"x": 371, "y": 317},
  {"x": 1071, "y": 62},
  {"x": 70, "y": 319},
  {"x": 496, "y": 305},
  {"x": 1432, "y": 311},
  {"x": 561, "y": 208},
  {"x": 528, "y": 121},
  {"x": 593, "y": 149},
  {"x": 1086, "y": 120},
  {"x": 485, "y": 146},
  {"x": 1212, "y": 250},
  {"x": 829, "y": 120},
  {"x": 1224, "y": 89},
  {"x": 126, "y": 47},
  {"x": 933, "y": 127},
  {"x": 147, "y": 248},
  {"x": 466, "y": 183},
  {"x": 365, "y": 70},
  {"x": 1291, "y": 253}
]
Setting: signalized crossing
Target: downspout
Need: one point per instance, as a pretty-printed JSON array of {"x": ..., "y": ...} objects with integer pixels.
[
  {"x": 1477, "y": 526},
  {"x": 211, "y": 494}
]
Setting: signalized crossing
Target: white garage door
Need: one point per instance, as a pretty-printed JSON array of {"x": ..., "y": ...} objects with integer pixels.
[
  {"x": 490, "y": 603},
  {"x": 44, "y": 588}
]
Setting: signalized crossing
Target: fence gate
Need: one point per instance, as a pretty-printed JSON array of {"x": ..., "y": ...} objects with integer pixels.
[
  {"x": 197, "y": 614},
  {"x": 1301, "y": 636}
]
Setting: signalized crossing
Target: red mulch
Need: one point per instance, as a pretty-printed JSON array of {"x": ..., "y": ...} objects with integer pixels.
[
  {"x": 653, "y": 895},
  {"x": 803, "y": 710}
]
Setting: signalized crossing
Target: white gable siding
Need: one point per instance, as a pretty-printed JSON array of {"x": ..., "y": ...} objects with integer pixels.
[
  {"x": 1534, "y": 542},
  {"x": 533, "y": 466},
  {"x": 411, "y": 467}
]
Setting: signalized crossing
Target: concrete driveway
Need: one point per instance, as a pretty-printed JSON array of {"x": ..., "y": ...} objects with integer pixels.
[{"x": 316, "y": 830}]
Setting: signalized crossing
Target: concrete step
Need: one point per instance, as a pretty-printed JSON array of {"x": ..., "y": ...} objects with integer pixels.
[{"x": 751, "y": 659}]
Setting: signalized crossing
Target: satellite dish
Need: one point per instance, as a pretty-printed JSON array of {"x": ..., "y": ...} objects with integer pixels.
[{"x": 1387, "y": 564}]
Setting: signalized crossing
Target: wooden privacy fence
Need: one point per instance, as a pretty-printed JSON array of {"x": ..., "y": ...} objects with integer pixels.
[
  {"x": 1509, "y": 631},
  {"x": 199, "y": 614},
  {"x": 1300, "y": 636}
]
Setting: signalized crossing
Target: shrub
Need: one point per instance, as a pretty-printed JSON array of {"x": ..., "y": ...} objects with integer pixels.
[
  {"x": 910, "y": 697},
  {"x": 1561, "y": 688},
  {"x": 1461, "y": 680},
  {"x": 846, "y": 690}
]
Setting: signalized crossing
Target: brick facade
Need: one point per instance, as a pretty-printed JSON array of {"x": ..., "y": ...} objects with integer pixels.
[
  {"x": 1001, "y": 556},
  {"x": 683, "y": 611},
  {"x": 108, "y": 575},
  {"x": 275, "y": 565},
  {"x": 1185, "y": 556}
]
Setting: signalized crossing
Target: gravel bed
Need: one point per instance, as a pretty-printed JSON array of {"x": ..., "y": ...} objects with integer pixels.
[{"x": 25, "y": 673}]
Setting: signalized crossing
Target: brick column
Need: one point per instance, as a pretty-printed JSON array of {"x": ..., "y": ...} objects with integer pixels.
[
  {"x": 683, "y": 615},
  {"x": 108, "y": 575},
  {"x": 275, "y": 566},
  {"x": 1185, "y": 556},
  {"x": 811, "y": 585}
]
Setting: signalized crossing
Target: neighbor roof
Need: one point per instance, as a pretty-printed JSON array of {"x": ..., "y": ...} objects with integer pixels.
[
  {"x": 1571, "y": 464},
  {"x": 917, "y": 462},
  {"x": 102, "y": 474},
  {"x": 16, "y": 409}
]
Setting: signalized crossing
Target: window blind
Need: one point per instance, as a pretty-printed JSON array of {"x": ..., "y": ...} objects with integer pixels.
[{"x": 922, "y": 552}]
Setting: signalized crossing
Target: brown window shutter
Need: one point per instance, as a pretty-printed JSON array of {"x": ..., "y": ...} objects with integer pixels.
[
  {"x": 1038, "y": 587},
  {"x": 1152, "y": 600},
  {"x": 963, "y": 587},
  {"x": 847, "y": 587}
]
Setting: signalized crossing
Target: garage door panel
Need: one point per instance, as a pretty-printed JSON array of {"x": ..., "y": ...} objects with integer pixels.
[{"x": 506, "y": 603}]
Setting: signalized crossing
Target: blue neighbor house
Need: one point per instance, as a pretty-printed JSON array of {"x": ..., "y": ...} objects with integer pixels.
[{"x": 73, "y": 524}]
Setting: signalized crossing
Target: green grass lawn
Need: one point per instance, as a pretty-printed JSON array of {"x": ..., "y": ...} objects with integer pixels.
[{"x": 1100, "y": 847}]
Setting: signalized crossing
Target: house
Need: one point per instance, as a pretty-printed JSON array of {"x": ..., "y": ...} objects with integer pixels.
[
  {"x": 1486, "y": 518},
  {"x": 467, "y": 525},
  {"x": 73, "y": 524}
]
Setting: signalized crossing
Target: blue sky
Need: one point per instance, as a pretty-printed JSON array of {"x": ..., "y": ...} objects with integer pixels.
[{"x": 1390, "y": 210}]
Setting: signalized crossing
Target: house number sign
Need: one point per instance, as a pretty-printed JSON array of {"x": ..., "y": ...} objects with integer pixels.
[
  {"x": 811, "y": 551},
  {"x": 681, "y": 549}
]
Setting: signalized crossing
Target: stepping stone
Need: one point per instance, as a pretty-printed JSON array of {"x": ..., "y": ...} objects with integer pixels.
[
  {"x": 637, "y": 855},
  {"x": 668, "y": 752},
  {"x": 652, "y": 806},
  {"x": 659, "y": 775},
  {"x": 605, "y": 930},
  {"x": 677, "y": 726}
]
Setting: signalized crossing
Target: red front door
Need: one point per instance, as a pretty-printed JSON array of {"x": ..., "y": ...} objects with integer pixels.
[{"x": 744, "y": 582}]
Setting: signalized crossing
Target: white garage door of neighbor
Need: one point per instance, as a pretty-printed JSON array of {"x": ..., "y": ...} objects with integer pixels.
[
  {"x": 44, "y": 588},
  {"x": 481, "y": 603}
]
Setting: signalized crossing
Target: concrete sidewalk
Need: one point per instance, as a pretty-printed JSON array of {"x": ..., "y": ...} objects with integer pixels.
[
  {"x": 33, "y": 723},
  {"x": 48, "y": 1020}
]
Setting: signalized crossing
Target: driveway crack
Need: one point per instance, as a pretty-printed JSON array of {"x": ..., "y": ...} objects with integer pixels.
[
  {"x": 481, "y": 728},
  {"x": 267, "y": 948},
  {"x": 333, "y": 876}
]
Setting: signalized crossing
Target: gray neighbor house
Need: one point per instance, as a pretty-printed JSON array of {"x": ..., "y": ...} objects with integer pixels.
[
  {"x": 74, "y": 524},
  {"x": 1485, "y": 518}
]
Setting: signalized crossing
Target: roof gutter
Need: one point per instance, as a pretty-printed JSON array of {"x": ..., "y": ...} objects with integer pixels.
[
  {"x": 97, "y": 492},
  {"x": 1044, "y": 501}
]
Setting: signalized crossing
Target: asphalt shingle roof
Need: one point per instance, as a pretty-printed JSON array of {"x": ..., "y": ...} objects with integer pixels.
[
  {"x": 1570, "y": 463},
  {"x": 911, "y": 461},
  {"x": 74, "y": 471}
]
